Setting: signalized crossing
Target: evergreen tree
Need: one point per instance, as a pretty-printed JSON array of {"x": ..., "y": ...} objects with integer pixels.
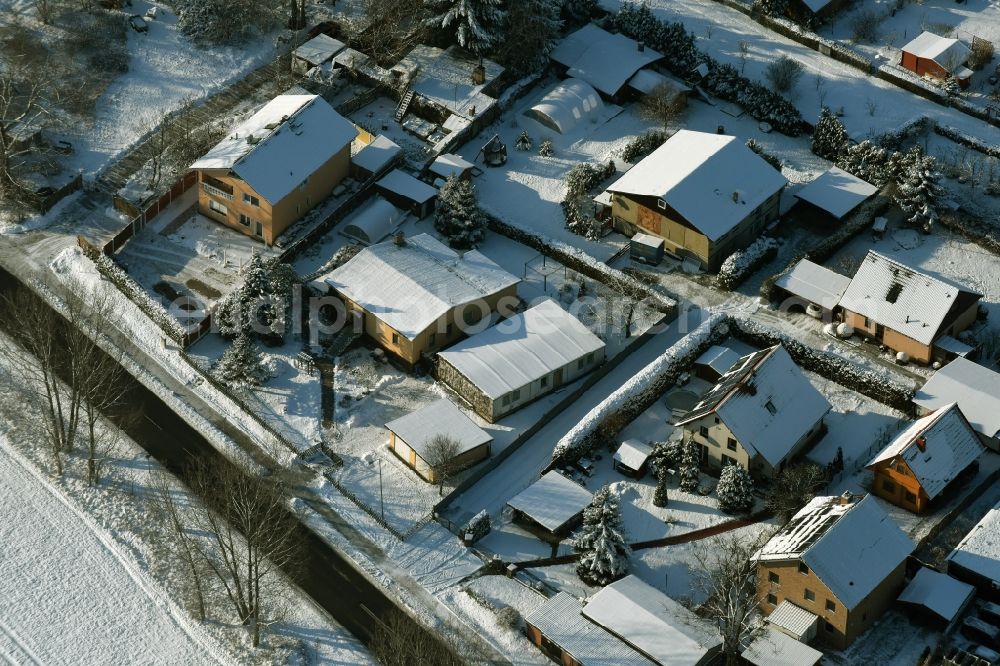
[
  {"x": 476, "y": 25},
  {"x": 829, "y": 136},
  {"x": 602, "y": 541},
  {"x": 523, "y": 141},
  {"x": 918, "y": 192},
  {"x": 777, "y": 8},
  {"x": 735, "y": 489},
  {"x": 457, "y": 215},
  {"x": 241, "y": 365},
  {"x": 689, "y": 467},
  {"x": 530, "y": 32},
  {"x": 579, "y": 11},
  {"x": 236, "y": 311},
  {"x": 262, "y": 303},
  {"x": 660, "y": 497}
]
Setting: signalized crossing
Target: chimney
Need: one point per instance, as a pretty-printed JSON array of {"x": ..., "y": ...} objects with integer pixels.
[
  {"x": 921, "y": 443},
  {"x": 736, "y": 197},
  {"x": 641, "y": 46},
  {"x": 846, "y": 498},
  {"x": 399, "y": 238}
]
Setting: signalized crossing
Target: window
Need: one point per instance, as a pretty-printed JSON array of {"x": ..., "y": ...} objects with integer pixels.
[
  {"x": 911, "y": 498},
  {"x": 770, "y": 407},
  {"x": 505, "y": 400},
  {"x": 703, "y": 431},
  {"x": 773, "y": 577},
  {"x": 544, "y": 381},
  {"x": 580, "y": 363},
  {"x": 717, "y": 419},
  {"x": 217, "y": 207},
  {"x": 244, "y": 220},
  {"x": 731, "y": 444},
  {"x": 810, "y": 595},
  {"x": 830, "y": 606},
  {"x": 888, "y": 486},
  {"x": 661, "y": 204},
  {"x": 803, "y": 569},
  {"x": 773, "y": 600},
  {"x": 395, "y": 338},
  {"x": 727, "y": 460},
  {"x": 516, "y": 395},
  {"x": 866, "y": 322},
  {"x": 432, "y": 338},
  {"x": 252, "y": 200}
]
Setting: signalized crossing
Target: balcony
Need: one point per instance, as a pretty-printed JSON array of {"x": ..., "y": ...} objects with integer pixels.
[{"x": 215, "y": 191}]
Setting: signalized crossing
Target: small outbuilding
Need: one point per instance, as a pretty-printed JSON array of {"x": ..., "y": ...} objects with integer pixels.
[
  {"x": 808, "y": 284},
  {"x": 715, "y": 362},
  {"x": 647, "y": 248},
  {"x": 520, "y": 359},
  {"x": 794, "y": 621},
  {"x": 773, "y": 648},
  {"x": 604, "y": 60},
  {"x": 937, "y": 57},
  {"x": 553, "y": 503},
  {"x": 939, "y": 594},
  {"x": 631, "y": 457},
  {"x": 835, "y": 194},
  {"x": 412, "y": 438},
  {"x": 375, "y": 158},
  {"x": 407, "y": 192},
  {"x": 976, "y": 558},
  {"x": 318, "y": 50},
  {"x": 449, "y": 164},
  {"x": 566, "y": 105},
  {"x": 373, "y": 223}
]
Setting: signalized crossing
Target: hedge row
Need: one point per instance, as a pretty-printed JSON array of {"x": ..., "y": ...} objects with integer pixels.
[
  {"x": 741, "y": 264},
  {"x": 992, "y": 150}
]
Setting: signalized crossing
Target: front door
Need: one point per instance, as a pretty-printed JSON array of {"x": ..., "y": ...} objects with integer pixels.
[
  {"x": 258, "y": 229},
  {"x": 558, "y": 378},
  {"x": 879, "y": 332}
]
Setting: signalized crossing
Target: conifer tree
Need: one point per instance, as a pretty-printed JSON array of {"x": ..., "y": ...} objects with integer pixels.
[
  {"x": 689, "y": 468},
  {"x": 602, "y": 541},
  {"x": 918, "y": 192},
  {"x": 457, "y": 215},
  {"x": 476, "y": 25},
  {"x": 660, "y": 496},
  {"x": 829, "y": 136},
  {"x": 241, "y": 366},
  {"x": 735, "y": 489}
]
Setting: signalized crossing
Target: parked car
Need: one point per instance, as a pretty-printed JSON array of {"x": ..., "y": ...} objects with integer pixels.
[
  {"x": 982, "y": 632},
  {"x": 137, "y": 23},
  {"x": 991, "y": 613}
]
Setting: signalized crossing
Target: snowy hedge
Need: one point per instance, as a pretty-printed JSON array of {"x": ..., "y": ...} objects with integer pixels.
[
  {"x": 741, "y": 264},
  {"x": 877, "y": 385},
  {"x": 643, "y": 145},
  {"x": 581, "y": 262},
  {"x": 958, "y": 136},
  {"x": 135, "y": 293},
  {"x": 478, "y": 527},
  {"x": 641, "y": 391}
]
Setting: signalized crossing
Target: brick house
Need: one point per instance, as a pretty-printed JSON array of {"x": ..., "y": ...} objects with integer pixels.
[
  {"x": 761, "y": 414},
  {"x": 908, "y": 311},
  {"x": 843, "y": 559},
  {"x": 706, "y": 195},
  {"x": 937, "y": 57},
  {"x": 275, "y": 167},
  {"x": 925, "y": 458}
]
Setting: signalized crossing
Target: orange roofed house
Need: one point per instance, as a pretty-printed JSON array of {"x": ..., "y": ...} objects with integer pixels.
[
  {"x": 909, "y": 311},
  {"x": 920, "y": 463},
  {"x": 273, "y": 168},
  {"x": 839, "y": 559}
]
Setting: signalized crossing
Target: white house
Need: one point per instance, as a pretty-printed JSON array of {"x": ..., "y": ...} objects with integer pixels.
[
  {"x": 976, "y": 559},
  {"x": 976, "y": 390}
]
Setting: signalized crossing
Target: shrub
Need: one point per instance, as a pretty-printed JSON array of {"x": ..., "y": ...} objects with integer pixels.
[
  {"x": 982, "y": 53},
  {"x": 741, "y": 264},
  {"x": 643, "y": 145},
  {"x": 793, "y": 488},
  {"x": 783, "y": 73},
  {"x": 864, "y": 25},
  {"x": 509, "y": 618},
  {"x": 545, "y": 148},
  {"x": 478, "y": 527},
  {"x": 770, "y": 158}
]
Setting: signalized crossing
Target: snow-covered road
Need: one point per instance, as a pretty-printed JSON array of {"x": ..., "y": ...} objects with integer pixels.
[{"x": 66, "y": 597}]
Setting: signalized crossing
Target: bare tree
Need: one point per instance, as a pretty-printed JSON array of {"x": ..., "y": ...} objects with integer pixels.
[
  {"x": 252, "y": 535},
  {"x": 47, "y": 10},
  {"x": 400, "y": 640},
  {"x": 391, "y": 27},
  {"x": 793, "y": 488},
  {"x": 726, "y": 573},
  {"x": 164, "y": 503},
  {"x": 744, "y": 53},
  {"x": 440, "y": 456},
  {"x": 159, "y": 144},
  {"x": 663, "y": 104},
  {"x": 783, "y": 74}
]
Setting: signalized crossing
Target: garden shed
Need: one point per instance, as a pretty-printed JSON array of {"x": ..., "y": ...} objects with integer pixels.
[
  {"x": 374, "y": 222},
  {"x": 553, "y": 503},
  {"x": 374, "y": 158},
  {"x": 412, "y": 437},
  {"x": 631, "y": 457},
  {"x": 835, "y": 193},
  {"x": 407, "y": 192}
]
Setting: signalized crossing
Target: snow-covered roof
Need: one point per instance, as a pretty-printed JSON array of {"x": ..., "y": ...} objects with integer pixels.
[
  {"x": 566, "y": 105},
  {"x": 713, "y": 181},
  {"x": 376, "y": 220},
  {"x": 319, "y": 49},
  {"x": 976, "y": 390},
  {"x": 814, "y": 283},
  {"x": 947, "y": 52},
  {"x": 816, "y": 5},
  {"x": 282, "y": 144},
  {"x": 652, "y": 623},
  {"x": 979, "y": 550},
  {"x": 411, "y": 286},
  {"x": 938, "y": 593},
  {"x": 633, "y": 453},
  {"x": 953, "y": 346},
  {"x": 851, "y": 545},
  {"x": 935, "y": 448},
  {"x": 405, "y": 185},
  {"x": 376, "y": 155},
  {"x": 766, "y": 402},
  {"x": 718, "y": 358},
  {"x": 560, "y": 619},
  {"x": 647, "y": 80},
  {"x": 648, "y": 240},
  {"x": 552, "y": 501},
  {"x": 794, "y": 620},
  {"x": 837, "y": 192},
  {"x": 773, "y": 648},
  {"x": 904, "y": 299},
  {"x": 444, "y": 76},
  {"x": 450, "y": 164},
  {"x": 602, "y": 59},
  {"x": 441, "y": 417},
  {"x": 522, "y": 349}
]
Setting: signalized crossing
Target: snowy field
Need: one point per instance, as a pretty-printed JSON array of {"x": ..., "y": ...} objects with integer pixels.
[{"x": 68, "y": 594}]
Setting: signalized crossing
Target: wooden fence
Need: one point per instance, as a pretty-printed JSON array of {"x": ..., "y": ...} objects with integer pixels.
[
  {"x": 142, "y": 216},
  {"x": 53, "y": 198}
]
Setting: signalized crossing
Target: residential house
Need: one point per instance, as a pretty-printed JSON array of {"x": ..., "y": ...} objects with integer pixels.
[
  {"x": 412, "y": 438},
  {"x": 553, "y": 504},
  {"x": 976, "y": 390},
  {"x": 760, "y": 415},
  {"x": 627, "y": 623},
  {"x": 602, "y": 59},
  {"x": 937, "y": 57},
  {"x": 842, "y": 559},
  {"x": 414, "y": 296},
  {"x": 808, "y": 283},
  {"x": 834, "y": 195},
  {"x": 906, "y": 310},
  {"x": 276, "y": 166},
  {"x": 520, "y": 359},
  {"x": 924, "y": 459},
  {"x": 976, "y": 558},
  {"x": 706, "y": 195}
]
